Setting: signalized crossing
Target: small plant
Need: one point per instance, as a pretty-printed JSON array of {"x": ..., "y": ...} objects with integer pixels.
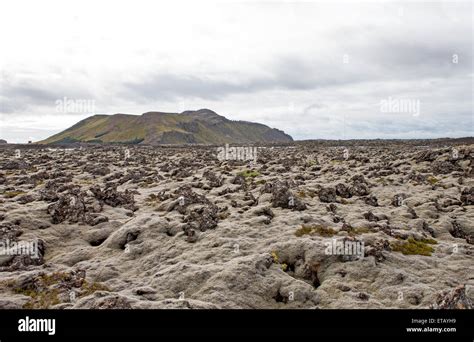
[
  {"x": 432, "y": 180},
  {"x": 249, "y": 174},
  {"x": 276, "y": 260},
  {"x": 315, "y": 229},
  {"x": 414, "y": 247},
  {"x": 275, "y": 257}
]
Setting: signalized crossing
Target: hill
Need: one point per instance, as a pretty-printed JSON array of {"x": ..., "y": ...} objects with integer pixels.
[{"x": 190, "y": 127}]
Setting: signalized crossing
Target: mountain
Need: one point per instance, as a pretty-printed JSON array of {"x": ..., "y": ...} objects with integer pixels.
[{"x": 190, "y": 127}]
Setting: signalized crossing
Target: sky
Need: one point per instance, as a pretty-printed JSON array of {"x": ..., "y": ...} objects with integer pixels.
[{"x": 315, "y": 69}]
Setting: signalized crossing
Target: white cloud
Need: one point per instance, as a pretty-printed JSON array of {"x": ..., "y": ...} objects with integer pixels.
[{"x": 279, "y": 63}]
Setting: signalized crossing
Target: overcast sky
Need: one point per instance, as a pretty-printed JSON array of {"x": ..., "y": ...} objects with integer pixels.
[{"x": 315, "y": 69}]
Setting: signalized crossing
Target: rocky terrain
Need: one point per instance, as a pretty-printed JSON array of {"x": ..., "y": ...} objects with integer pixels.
[{"x": 177, "y": 227}]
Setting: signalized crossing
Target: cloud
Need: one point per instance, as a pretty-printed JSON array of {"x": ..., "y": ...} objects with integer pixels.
[
  {"x": 171, "y": 87},
  {"x": 22, "y": 93},
  {"x": 313, "y": 69}
]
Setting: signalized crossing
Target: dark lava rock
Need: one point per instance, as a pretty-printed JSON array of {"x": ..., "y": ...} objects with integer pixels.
[
  {"x": 363, "y": 296},
  {"x": 371, "y": 200},
  {"x": 266, "y": 211},
  {"x": 359, "y": 186},
  {"x": 457, "y": 232},
  {"x": 358, "y": 179},
  {"x": 74, "y": 207},
  {"x": 467, "y": 196},
  {"x": 26, "y": 199},
  {"x": 214, "y": 181},
  {"x": 443, "y": 167},
  {"x": 343, "y": 190},
  {"x": 9, "y": 231},
  {"x": 15, "y": 165},
  {"x": 332, "y": 208},
  {"x": 97, "y": 170},
  {"x": 114, "y": 198},
  {"x": 327, "y": 195},
  {"x": 202, "y": 218},
  {"x": 48, "y": 195},
  {"x": 428, "y": 229},
  {"x": 376, "y": 250},
  {"x": 453, "y": 299},
  {"x": 428, "y": 155},
  {"x": 239, "y": 179},
  {"x": 369, "y": 216},
  {"x": 283, "y": 198},
  {"x": 359, "y": 189},
  {"x": 417, "y": 177},
  {"x": 191, "y": 235},
  {"x": 185, "y": 197}
]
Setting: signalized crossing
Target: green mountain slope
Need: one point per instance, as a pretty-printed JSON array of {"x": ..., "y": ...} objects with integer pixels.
[{"x": 191, "y": 127}]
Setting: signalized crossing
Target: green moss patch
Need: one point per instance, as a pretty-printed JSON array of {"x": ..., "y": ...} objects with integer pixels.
[
  {"x": 249, "y": 174},
  {"x": 315, "y": 230},
  {"x": 414, "y": 247}
]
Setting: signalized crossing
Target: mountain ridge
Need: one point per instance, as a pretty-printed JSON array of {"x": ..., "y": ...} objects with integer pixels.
[{"x": 202, "y": 126}]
